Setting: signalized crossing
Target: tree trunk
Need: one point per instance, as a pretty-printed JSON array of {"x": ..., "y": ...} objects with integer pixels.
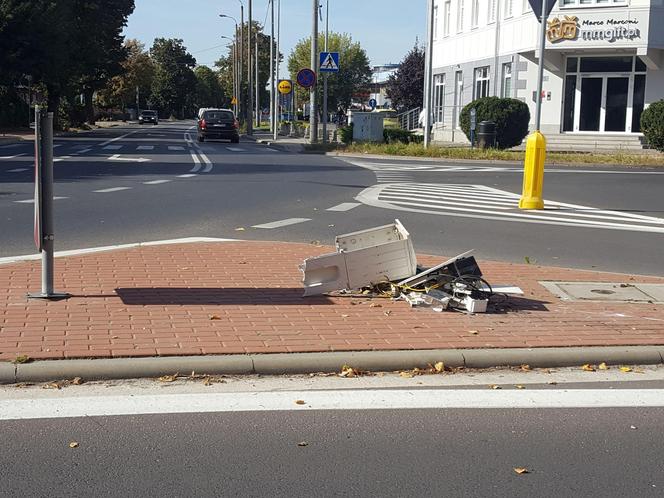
[
  {"x": 88, "y": 94},
  {"x": 53, "y": 103}
]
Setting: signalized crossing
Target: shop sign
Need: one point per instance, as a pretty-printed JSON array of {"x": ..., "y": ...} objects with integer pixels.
[{"x": 611, "y": 30}]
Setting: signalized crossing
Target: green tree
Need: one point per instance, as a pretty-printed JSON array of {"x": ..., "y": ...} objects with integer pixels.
[
  {"x": 209, "y": 91},
  {"x": 406, "y": 86},
  {"x": 354, "y": 74},
  {"x": 137, "y": 73},
  {"x": 174, "y": 84}
]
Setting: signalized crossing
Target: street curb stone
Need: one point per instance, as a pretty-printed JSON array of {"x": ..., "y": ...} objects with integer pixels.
[{"x": 303, "y": 363}]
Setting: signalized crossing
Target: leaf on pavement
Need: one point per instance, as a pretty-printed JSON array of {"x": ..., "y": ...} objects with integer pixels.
[
  {"x": 603, "y": 366},
  {"x": 519, "y": 386},
  {"x": 239, "y": 229},
  {"x": 553, "y": 383},
  {"x": 54, "y": 385},
  {"x": 625, "y": 369},
  {"x": 494, "y": 386},
  {"x": 22, "y": 359},
  {"x": 525, "y": 368},
  {"x": 169, "y": 378},
  {"x": 77, "y": 381},
  {"x": 73, "y": 444},
  {"x": 521, "y": 470},
  {"x": 345, "y": 316},
  {"x": 439, "y": 367},
  {"x": 303, "y": 443},
  {"x": 215, "y": 317},
  {"x": 375, "y": 305},
  {"x": 473, "y": 332},
  {"x": 387, "y": 312},
  {"x": 588, "y": 368},
  {"x": 299, "y": 402},
  {"x": 407, "y": 375},
  {"x": 347, "y": 371}
]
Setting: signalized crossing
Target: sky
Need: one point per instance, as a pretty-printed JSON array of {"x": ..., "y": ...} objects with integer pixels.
[{"x": 386, "y": 29}]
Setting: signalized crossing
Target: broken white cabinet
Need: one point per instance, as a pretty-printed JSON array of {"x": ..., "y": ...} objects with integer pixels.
[{"x": 363, "y": 258}]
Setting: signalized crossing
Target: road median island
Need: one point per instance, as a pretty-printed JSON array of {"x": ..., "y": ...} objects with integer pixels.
[
  {"x": 242, "y": 302},
  {"x": 415, "y": 150}
]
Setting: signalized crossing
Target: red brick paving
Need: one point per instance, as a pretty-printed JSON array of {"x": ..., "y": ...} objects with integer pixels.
[{"x": 159, "y": 300}]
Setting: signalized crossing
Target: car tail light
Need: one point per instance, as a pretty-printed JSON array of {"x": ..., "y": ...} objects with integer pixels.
[{"x": 203, "y": 124}]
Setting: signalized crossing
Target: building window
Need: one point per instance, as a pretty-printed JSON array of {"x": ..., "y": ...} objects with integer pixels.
[
  {"x": 492, "y": 11},
  {"x": 591, "y": 3},
  {"x": 526, "y": 6},
  {"x": 435, "y": 22},
  {"x": 439, "y": 98},
  {"x": 507, "y": 80},
  {"x": 509, "y": 8},
  {"x": 447, "y": 12},
  {"x": 460, "y": 14},
  {"x": 475, "y": 14},
  {"x": 481, "y": 86}
]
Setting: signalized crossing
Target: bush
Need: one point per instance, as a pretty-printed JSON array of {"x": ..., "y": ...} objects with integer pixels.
[
  {"x": 392, "y": 135},
  {"x": 346, "y": 134},
  {"x": 510, "y": 115},
  {"x": 652, "y": 125}
]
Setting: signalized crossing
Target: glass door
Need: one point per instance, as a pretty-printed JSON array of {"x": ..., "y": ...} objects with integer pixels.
[
  {"x": 617, "y": 91},
  {"x": 590, "y": 113}
]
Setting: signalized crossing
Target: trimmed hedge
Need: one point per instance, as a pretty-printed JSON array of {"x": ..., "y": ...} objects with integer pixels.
[
  {"x": 346, "y": 134},
  {"x": 652, "y": 125},
  {"x": 392, "y": 135},
  {"x": 510, "y": 115}
]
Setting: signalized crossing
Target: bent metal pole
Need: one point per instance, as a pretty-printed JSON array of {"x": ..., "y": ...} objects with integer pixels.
[{"x": 44, "y": 231}]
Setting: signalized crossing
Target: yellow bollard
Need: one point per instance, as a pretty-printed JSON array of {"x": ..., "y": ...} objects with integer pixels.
[{"x": 533, "y": 172}]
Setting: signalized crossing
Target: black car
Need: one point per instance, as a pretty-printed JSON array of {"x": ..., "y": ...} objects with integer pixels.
[
  {"x": 218, "y": 123},
  {"x": 148, "y": 117}
]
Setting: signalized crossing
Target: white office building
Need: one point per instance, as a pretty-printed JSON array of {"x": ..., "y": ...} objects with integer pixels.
[{"x": 603, "y": 62}]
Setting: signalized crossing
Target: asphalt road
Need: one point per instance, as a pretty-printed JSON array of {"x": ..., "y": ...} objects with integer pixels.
[
  {"x": 568, "y": 452},
  {"x": 136, "y": 184}
]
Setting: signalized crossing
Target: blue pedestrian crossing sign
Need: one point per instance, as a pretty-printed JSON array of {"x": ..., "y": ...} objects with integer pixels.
[{"x": 329, "y": 62}]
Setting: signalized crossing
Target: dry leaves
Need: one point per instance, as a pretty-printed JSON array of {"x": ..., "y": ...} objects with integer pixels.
[
  {"x": 375, "y": 305},
  {"x": 519, "y": 386},
  {"x": 494, "y": 386},
  {"x": 215, "y": 317},
  {"x": 473, "y": 332},
  {"x": 349, "y": 372},
  {"x": 73, "y": 444},
  {"x": 625, "y": 369},
  {"x": 303, "y": 443},
  {"x": 345, "y": 316},
  {"x": 525, "y": 368},
  {"x": 407, "y": 374},
  {"x": 521, "y": 470},
  {"x": 169, "y": 378},
  {"x": 588, "y": 368},
  {"x": 299, "y": 402},
  {"x": 603, "y": 366},
  {"x": 387, "y": 312},
  {"x": 439, "y": 367},
  {"x": 22, "y": 359}
]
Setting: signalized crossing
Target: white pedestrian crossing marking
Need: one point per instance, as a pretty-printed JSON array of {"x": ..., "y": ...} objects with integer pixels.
[
  {"x": 113, "y": 147},
  {"x": 17, "y": 170},
  {"x": 479, "y": 201},
  {"x": 175, "y": 147},
  {"x": 113, "y": 189},
  {"x": 189, "y": 175},
  {"x": 145, "y": 147},
  {"x": 235, "y": 149},
  {"x": 32, "y": 201},
  {"x": 156, "y": 182},
  {"x": 282, "y": 223},
  {"x": 344, "y": 206}
]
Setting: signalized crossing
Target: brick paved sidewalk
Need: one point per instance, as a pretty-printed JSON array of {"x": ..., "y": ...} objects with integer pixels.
[{"x": 245, "y": 297}]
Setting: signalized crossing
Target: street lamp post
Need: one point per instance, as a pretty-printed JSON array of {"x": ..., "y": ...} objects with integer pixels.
[
  {"x": 428, "y": 76},
  {"x": 272, "y": 82},
  {"x": 237, "y": 62},
  {"x": 327, "y": 26},
  {"x": 250, "y": 99},
  {"x": 275, "y": 97}
]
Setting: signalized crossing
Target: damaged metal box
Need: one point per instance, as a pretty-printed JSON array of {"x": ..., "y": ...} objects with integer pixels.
[{"x": 363, "y": 258}]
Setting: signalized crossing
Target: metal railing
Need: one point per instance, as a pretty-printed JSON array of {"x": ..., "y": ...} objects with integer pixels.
[{"x": 409, "y": 120}]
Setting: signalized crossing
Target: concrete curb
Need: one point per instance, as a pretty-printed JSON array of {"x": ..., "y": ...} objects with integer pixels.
[{"x": 303, "y": 363}]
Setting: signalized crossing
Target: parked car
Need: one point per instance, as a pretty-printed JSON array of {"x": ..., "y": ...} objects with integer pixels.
[
  {"x": 218, "y": 123},
  {"x": 148, "y": 117}
]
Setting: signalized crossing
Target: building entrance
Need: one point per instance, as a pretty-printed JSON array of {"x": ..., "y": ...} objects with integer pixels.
[{"x": 604, "y": 94}]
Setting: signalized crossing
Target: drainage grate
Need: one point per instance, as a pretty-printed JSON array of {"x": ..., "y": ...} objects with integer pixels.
[{"x": 603, "y": 291}]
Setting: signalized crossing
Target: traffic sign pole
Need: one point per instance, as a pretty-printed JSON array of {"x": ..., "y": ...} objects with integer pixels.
[
  {"x": 428, "y": 70},
  {"x": 313, "y": 111},
  {"x": 327, "y": 24}
]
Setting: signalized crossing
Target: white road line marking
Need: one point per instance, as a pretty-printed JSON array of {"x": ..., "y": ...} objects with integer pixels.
[
  {"x": 271, "y": 149},
  {"x": 113, "y": 147},
  {"x": 208, "y": 164},
  {"x": 84, "y": 151},
  {"x": 103, "y": 144},
  {"x": 32, "y": 201},
  {"x": 481, "y": 202},
  {"x": 114, "y": 189},
  {"x": 344, "y": 206},
  {"x": 57, "y": 145},
  {"x": 118, "y": 157},
  {"x": 156, "y": 182},
  {"x": 282, "y": 223},
  {"x": 17, "y": 170},
  {"x": 145, "y": 147},
  {"x": 364, "y": 399},
  {"x": 236, "y": 149},
  {"x": 175, "y": 147},
  {"x": 190, "y": 175},
  {"x": 12, "y": 157},
  {"x": 197, "y": 162}
]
